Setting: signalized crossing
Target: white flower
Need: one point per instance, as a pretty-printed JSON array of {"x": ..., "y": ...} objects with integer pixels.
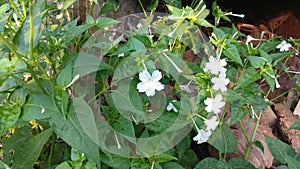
[
  {"x": 284, "y": 46},
  {"x": 277, "y": 85},
  {"x": 220, "y": 83},
  {"x": 250, "y": 38},
  {"x": 214, "y": 104},
  {"x": 150, "y": 83},
  {"x": 211, "y": 124},
  {"x": 171, "y": 106},
  {"x": 215, "y": 66},
  {"x": 202, "y": 136},
  {"x": 139, "y": 25},
  {"x": 121, "y": 55}
]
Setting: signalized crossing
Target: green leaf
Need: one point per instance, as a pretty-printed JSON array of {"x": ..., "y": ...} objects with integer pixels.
[
  {"x": 233, "y": 53},
  {"x": 137, "y": 163},
  {"x": 153, "y": 5},
  {"x": 265, "y": 55},
  {"x": 103, "y": 22},
  {"x": 164, "y": 157},
  {"x": 70, "y": 130},
  {"x": 8, "y": 117},
  {"x": 282, "y": 167},
  {"x": 64, "y": 78},
  {"x": 239, "y": 163},
  {"x": 38, "y": 106},
  {"x": 21, "y": 39},
  {"x": 86, "y": 118},
  {"x": 293, "y": 163},
  {"x": 259, "y": 145},
  {"x": 276, "y": 57},
  {"x": 237, "y": 114},
  {"x": 280, "y": 150},
  {"x": 27, "y": 153},
  {"x": 269, "y": 79},
  {"x": 223, "y": 139},
  {"x": 248, "y": 76},
  {"x": 210, "y": 163},
  {"x": 3, "y": 20},
  {"x": 3, "y": 165},
  {"x": 74, "y": 32},
  {"x": 182, "y": 146},
  {"x": 60, "y": 97},
  {"x": 256, "y": 61},
  {"x": 171, "y": 165},
  {"x": 176, "y": 3},
  {"x": 117, "y": 162},
  {"x": 268, "y": 46},
  {"x": 189, "y": 158},
  {"x": 63, "y": 165},
  {"x": 67, "y": 3},
  {"x": 295, "y": 125},
  {"x": 162, "y": 123}
]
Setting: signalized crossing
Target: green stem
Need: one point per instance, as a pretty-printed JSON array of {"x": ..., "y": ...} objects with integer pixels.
[
  {"x": 13, "y": 5},
  {"x": 24, "y": 8},
  {"x": 253, "y": 136},
  {"x": 11, "y": 47},
  {"x": 53, "y": 140},
  {"x": 141, "y": 4},
  {"x": 244, "y": 132},
  {"x": 31, "y": 30},
  {"x": 282, "y": 94}
]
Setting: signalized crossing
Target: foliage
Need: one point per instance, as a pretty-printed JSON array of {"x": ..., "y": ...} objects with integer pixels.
[{"x": 69, "y": 92}]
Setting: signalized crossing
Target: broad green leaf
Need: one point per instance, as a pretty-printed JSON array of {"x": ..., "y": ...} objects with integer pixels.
[
  {"x": 171, "y": 165},
  {"x": 189, "y": 158},
  {"x": 63, "y": 165},
  {"x": 65, "y": 76},
  {"x": 3, "y": 20},
  {"x": 223, "y": 139},
  {"x": 232, "y": 53},
  {"x": 232, "y": 96},
  {"x": 153, "y": 5},
  {"x": 74, "y": 32},
  {"x": 21, "y": 39},
  {"x": 210, "y": 163},
  {"x": 162, "y": 123},
  {"x": 248, "y": 76},
  {"x": 38, "y": 106},
  {"x": 174, "y": 11},
  {"x": 276, "y": 57},
  {"x": 86, "y": 118},
  {"x": 183, "y": 146},
  {"x": 3, "y": 165},
  {"x": 268, "y": 46},
  {"x": 256, "y": 61},
  {"x": 67, "y": 3},
  {"x": 265, "y": 55},
  {"x": 60, "y": 97},
  {"x": 89, "y": 19},
  {"x": 70, "y": 130},
  {"x": 27, "y": 153},
  {"x": 237, "y": 114},
  {"x": 293, "y": 163},
  {"x": 269, "y": 79},
  {"x": 280, "y": 150},
  {"x": 295, "y": 125},
  {"x": 8, "y": 117},
  {"x": 164, "y": 157},
  {"x": 259, "y": 145},
  {"x": 239, "y": 163},
  {"x": 176, "y": 3},
  {"x": 4, "y": 8},
  {"x": 103, "y": 22},
  {"x": 86, "y": 64},
  {"x": 114, "y": 161}
]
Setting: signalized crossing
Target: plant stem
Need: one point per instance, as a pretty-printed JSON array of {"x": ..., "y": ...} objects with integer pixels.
[
  {"x": 11, "y": 47},
  {"x": 31, "y": 31},
  {"x": 15, "y": 8},
  {"x": 143, "y": 9},
  {"x": 53, "y": 140},
  {"x": 253, "y": 136}
]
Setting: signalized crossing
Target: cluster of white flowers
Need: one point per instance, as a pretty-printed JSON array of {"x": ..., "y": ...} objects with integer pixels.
[{"x": 214, "y": 104}]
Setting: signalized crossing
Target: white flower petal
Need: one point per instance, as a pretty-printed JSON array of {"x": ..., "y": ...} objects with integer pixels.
[
  {"x": 142, "y": 86},
  {"x": 156, "y": 75},
  {"x": 212, "y": 123},
  {"x": 144, "y": 76},
  {"x": 202, "y": 136}
]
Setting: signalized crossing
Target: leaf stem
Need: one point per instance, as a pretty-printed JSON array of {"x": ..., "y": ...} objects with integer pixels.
[
  {"x": 253, "y": 136},
  {"x": 53, "y": 140},
  {"x": 10, "y": 46},
  {"x": 31, "y": 30},
  {"x": 143, "y": 9},
  {"x": 15, "y": 8}
]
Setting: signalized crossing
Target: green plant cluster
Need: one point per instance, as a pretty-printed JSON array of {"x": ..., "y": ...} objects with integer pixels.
[{"x": 52, "y": 115}]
